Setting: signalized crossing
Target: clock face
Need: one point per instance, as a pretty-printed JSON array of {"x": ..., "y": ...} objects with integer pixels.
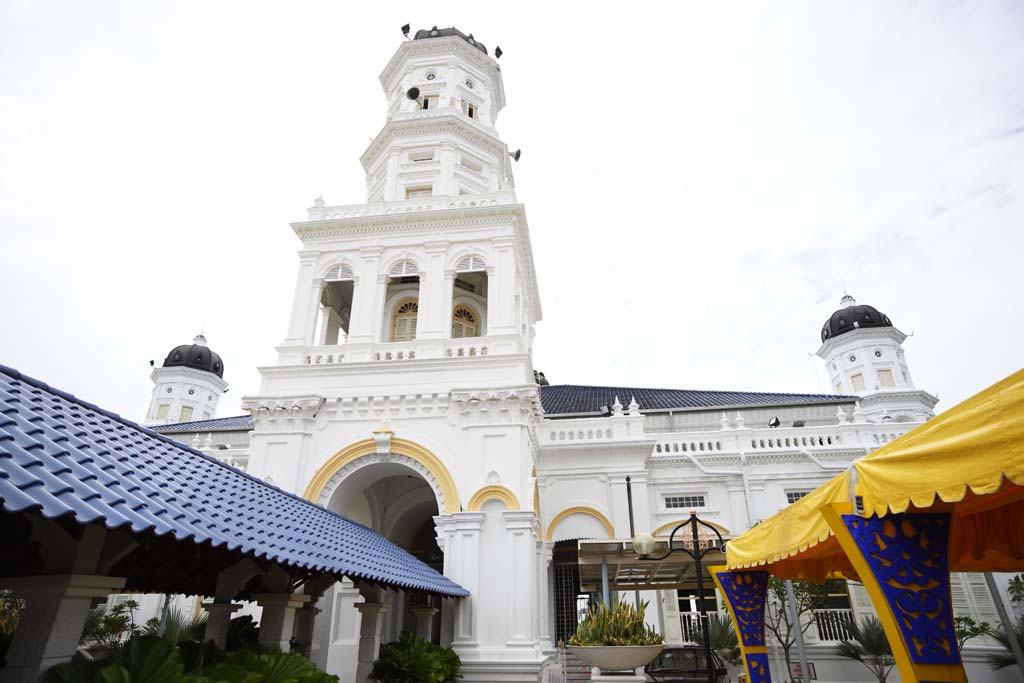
[{"x": 853, "y": 358}]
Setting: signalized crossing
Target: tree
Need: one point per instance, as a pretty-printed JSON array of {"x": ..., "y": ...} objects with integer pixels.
[
  {"x": 869, "y": 646},
  {"x": 722, "y": 637},
  {"x": 1005, "y": 657},
  {"x": 966, "y": 628},
  {"x": 777, "y": 620}
]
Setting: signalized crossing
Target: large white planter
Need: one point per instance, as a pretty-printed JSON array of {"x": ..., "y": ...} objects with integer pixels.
[{"x": 616, "y": 657}]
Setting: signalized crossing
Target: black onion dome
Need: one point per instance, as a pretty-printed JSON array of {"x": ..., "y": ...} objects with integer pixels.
[
  {"x": 852, "y": 316},
  {"x": 195, "y": 355},
  {"x": 436, "y": 32}
]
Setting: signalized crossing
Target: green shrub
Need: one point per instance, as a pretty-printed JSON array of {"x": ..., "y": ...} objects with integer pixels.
[
  {"x": 414, "y": 660},
  {"x": 621, "y": 624},
  {"x": 149, "y": 659}
]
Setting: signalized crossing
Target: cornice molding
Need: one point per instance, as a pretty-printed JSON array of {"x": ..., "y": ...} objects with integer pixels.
[{"x": 441, "y": 124}]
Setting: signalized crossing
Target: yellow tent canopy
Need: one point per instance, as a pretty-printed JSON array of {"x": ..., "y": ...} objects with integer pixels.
[{"x": 968, "y": 460}]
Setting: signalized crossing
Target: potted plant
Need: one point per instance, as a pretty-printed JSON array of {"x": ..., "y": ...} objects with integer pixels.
[{"x": 615, "y": 638}]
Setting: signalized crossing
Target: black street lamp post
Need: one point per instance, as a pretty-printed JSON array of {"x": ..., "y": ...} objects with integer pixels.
[{"x": 645, "y": 542}]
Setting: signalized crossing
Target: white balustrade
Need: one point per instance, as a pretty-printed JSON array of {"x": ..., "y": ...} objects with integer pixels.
[{"x": 432, "y": 203}]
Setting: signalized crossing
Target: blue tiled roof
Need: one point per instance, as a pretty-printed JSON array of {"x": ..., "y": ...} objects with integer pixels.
[
  {"x": 220, "y": 424},
  {"x": 67, "y": 458},
  {"x": 564, "y": 399}
]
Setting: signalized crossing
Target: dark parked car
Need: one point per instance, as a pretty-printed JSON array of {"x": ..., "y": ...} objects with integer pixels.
[{"x": 685, "y": 664}]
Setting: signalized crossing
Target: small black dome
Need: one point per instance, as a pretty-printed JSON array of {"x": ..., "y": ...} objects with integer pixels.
[
  {"x": 195, "y": 355},
  {"x": 852, "y": 316}
]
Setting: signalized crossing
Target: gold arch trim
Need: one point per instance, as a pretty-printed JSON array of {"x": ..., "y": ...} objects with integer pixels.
[
  {"x": 399, "y": 446},
  {"x": 493, "y": 492},
  {"x": 666, "y": 529},
  {"x": 583, "y": 510}
]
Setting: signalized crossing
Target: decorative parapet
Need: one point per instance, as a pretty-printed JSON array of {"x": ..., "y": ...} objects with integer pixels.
[
  {"x": 497, "y": 406},
  {"x": 291, "y": 409}
]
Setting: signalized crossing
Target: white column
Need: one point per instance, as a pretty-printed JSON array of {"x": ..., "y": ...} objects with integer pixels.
[
  {"x": 371, "y": 612},
  {"x": 501, "y": 289},
  {"x": 278, "y": 619},
  {"x": 364, "y": 324},
  {"x": 217, "y": 620},
  {"x": 521, "y": 527},
  {"x": 446, "y": 184},
  {"x": 544, "y": 556},
  {"x": 51, "y": 625},
  {"x": 305, "y": 302},
  {"x": 433, "y": 318},
  {"x": 392, "y": 188},
  {"x": 424, "y": 621},
  {"x": 462, "y": 565}
]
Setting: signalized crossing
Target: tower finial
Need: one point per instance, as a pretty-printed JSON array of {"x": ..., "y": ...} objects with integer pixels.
[{"x": 847, "y": 301}]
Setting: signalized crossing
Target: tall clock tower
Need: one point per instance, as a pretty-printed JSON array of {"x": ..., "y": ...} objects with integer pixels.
[{"x": 403, "y": 394}]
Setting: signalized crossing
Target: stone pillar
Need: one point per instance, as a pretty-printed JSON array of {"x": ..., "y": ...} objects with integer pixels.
[
  {"x": 304, "y": 620},
  {"x": 745, "y": 595},
  {"x": 305, "y": 301},
  {"x": 217, "y": 620},
  {"x": 363, "y": 324},
  {"x": 521, "y": 527},
  {"x": 462, "y": 565},
  {"x": 371, "y": 612},
  {"x": 434, "y": 320},
  {"x": 501, "y": 288},
  {"x": 903, "y": 562},
  {"x": 425, "y": 621},
  {"x": 55, "y": 609},
  {"x": 278, "y": 620}
]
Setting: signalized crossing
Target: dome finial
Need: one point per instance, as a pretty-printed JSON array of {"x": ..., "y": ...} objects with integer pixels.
[
  {"x": 847, "y": 301},
  {"x": 199, "y": 339}
]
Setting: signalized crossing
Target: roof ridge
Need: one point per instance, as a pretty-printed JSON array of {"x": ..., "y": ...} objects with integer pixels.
[
  {"x": 696, "y": 391},
  {"x": 20, "y": 376}
]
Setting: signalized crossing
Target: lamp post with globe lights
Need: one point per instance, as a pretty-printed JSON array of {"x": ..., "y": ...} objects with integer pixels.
[{"x": 644, "y": 545}]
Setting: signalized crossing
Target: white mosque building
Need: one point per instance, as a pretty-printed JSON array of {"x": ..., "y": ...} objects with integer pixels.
[{"x": 404, "y": 396}]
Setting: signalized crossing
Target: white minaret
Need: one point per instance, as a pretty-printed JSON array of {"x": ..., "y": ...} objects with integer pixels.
[
  {"x": 403, "y": 394},
  {"x": 188, "y": 386},
  {"x": 863, "y": 354}
]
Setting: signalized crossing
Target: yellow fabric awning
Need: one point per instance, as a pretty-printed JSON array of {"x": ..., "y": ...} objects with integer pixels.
[{"x": 968, "y": 460}]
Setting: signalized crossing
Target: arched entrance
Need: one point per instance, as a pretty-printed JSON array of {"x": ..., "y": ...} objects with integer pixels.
[{"x": 396, "y": 494}]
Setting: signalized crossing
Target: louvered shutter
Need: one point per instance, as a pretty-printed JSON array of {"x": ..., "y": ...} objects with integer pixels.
[
  {"x": 471, "y": 262},
  {"x": 457, "y": 330},
  {"x": 412, "y": 327},
  {"x": 402, "y": 329}
]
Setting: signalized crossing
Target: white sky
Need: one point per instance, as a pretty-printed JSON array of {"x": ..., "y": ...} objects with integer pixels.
[{"x": 702, "y": 180}]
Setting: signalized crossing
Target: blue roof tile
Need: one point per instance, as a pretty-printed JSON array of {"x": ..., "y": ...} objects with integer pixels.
[
  {"x": 233, "y": 423},
  {"x": 68, "y": 458}
]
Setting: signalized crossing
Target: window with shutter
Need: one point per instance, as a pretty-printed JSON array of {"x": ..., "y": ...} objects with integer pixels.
[
  {"x": 403, "y": 268},
  {"x": 469, "y": 263},
  {"x": 339, "y": 272},
  {"x": 404, "y": 326},
  {"x": 464, "y": 323},
  {"x": 186, "y": 414}
]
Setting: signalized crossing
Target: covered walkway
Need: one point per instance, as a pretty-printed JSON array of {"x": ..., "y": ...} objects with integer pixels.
[
  {"x": 945, "y": 497},
  {"x": 93, "y": 504}
]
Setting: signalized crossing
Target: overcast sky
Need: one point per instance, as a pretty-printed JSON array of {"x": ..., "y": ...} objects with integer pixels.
[{"x": 702, "y": 180}]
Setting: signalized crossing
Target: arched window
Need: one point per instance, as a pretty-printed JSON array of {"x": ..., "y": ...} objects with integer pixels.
[
  {"x": 342, "y": 271},
  {"x": 403, "y": 268},
  {"x": 469, "y": 263},
  {"x": 465, "y": 323},
  {"x": 403, "y": 326}
]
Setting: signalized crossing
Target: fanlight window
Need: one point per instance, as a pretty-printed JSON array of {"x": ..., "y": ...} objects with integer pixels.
[
  {"x": 403, "y": 268},
  {"x": 465, "y": 323},
  {"x": 339, "y": 272},
  {"x": 471, "y": 262},
  {"x": 404, "y": 326}
]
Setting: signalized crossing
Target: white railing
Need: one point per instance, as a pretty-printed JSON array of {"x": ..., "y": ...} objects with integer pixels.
[
  {"x": 696, "y": 445},
  {"x": 821, "y": 439},
  {"x": 833, "y": 625},
  {"x": 433, "y": 203},
  {"x": 690, "y": 624},
  {"x": 465, "y": 350},
  {"x": 576, "y": 431}
]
